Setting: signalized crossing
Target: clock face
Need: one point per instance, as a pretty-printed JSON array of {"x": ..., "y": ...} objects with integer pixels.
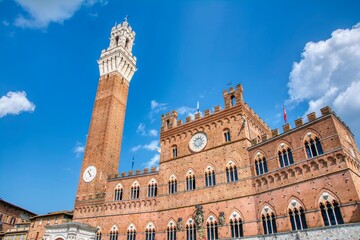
[
  {"x": 89, "y": 173},
  {"x": 198, "y": 142}
]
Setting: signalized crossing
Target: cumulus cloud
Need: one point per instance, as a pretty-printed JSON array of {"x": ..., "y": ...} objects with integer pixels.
[
  {"x": 329, "y": 74},
  {"x": 152, "y": 146},
  {"x": 14, "y": 103},
  {"x": 40, "y": 13},
  {"x": 186, "y": 111},
  {"x": 141, "y": 129},
  {"x": 153, "y": 132},
  {"x": 136, "y": 148},
  {"x": 154, "y": 161},
  {"x": 156, "y": 108},
  {"x": 79, "y": 149}
]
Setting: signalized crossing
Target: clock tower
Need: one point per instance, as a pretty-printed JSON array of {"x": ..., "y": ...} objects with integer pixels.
[{"x": 117, "y": 66}]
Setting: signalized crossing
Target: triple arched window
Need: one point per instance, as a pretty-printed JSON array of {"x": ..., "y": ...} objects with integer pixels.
[
  {"x": 236, "y": 225},
  {"x": 118, "y": 193},
  {"x": 190, "y": 230},
  {"x": 98, "y": 235},
  {"x": 114, "y": 233},
  {"x": 172, "y": 185},
  {"x": 231, "y": 172},
  {"x": 212, "y": 228},
  {"x": 190, "y": 181},
  {"x": 135, "y": 190},
  {"x": 268, "y": 220},
  {"x": 313, "y": 145},
  {"x": 297, "y": 216},
  {"x": 330, "y": 210},
  {"x": 260, "y": 164},
  {"x": 152, "y": 188},
  {"x": 285, "y": 155},
  {"x": 171, "y": 231},
  {"x": 131, "y": 233},
  {"x": 210, "y": 177},
  {"x": 150, "y": 232}
]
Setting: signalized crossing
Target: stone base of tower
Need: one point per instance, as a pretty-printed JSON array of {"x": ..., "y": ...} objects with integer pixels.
[{"x": 70, "y": 231}]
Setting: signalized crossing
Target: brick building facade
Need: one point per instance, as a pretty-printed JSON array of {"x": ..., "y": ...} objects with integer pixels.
[{"x": 224, "y": 174}]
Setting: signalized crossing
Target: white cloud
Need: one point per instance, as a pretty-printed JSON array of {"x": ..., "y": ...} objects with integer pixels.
[
  {"x": 14, "y": 103},
  {"x": 186, "y": 111},
  {"x": 79, "y": 149},
  {"x": 40, "y": 13},
  {"x": 153, "y": 132},
  {"x": 136, "y": 148},
  {"x": 156, "y": 108},
  {"x": 152, "y": 146},
  {"x": 154, "y": 161},
  {"x": 329, "y": 74},
  {"x": 141, "y": 129}
]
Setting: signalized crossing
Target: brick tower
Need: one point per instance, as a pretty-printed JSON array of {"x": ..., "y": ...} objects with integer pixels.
[{"x": 101, "y": 158}]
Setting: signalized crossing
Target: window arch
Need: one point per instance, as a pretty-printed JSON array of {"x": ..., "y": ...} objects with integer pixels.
[
  {"x": 131, "y": 232},
  {"x": 150, "y": 231},
  {"x": 171, "y": 230},
  {"x": 127, "y": 41},
  {"x": 227, "y": 137},
  {"x": 313, "y": 145},
  {"x": 152, "y": 188},
  {"x": 114, "y": 233},
  {"x": 135, "y": 190},
  {"x": 231, "y": 172},
  {"x": 190, "y": 181},
  {"x": 268, "y": 220},
  {"x": 233, "y": 100},
  {"x": 172, "y": 185},
  {"x": 285, "y": 155},
  {"x": 116, "y": 41},
  {"x": 190, "y": 229},
  {"x": 174, "y": 151},
  {"x": 212, "y": 228},
  {"x": 98, "y": 234},
  {"x": 118, "y": 195},
  {"x": 236, "y": 225},
  {"x": 297, "y": 216},
  {"x": 330, "y": 210},
  {"x": 210, "y": 177},
  {"x": 260, "y": 164}
]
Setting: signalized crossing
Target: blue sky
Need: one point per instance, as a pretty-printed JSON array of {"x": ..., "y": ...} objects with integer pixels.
[{"x": 187, "y": 51}]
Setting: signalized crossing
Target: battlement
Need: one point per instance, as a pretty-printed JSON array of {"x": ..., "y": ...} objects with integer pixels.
[
  {"x": 233, "y": 97},
  {"x": 131, "y": 173},
  {"x": 311, "y": 117}
]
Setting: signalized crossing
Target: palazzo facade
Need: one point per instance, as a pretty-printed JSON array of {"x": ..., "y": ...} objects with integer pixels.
[{"x": 223, "y": 174}]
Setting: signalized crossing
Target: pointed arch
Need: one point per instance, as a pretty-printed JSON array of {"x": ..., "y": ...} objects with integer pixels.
[
  {"x": 227, "y": 135},
  {"x": 150, "y": 231},
  {"x": 330, "y": 208},
  {"x": 260, "y": 163},
  {"x": 190, "y": 180},
  {"x": 297, "y": 216},
  {"x": 285, "y": 154},
  {"x": 236, "y": 224},
  {"x": 190, "y": 229},
  {"x": 171, "y": 230},
  {"x": 114, "y": 233},
  {"x": 152, "y": 188},
  {"x": 131, "y": 232},
  {"x": 210, "y": 177},
  {"x": 313, "y": 145},
  {"x": 212, "y": 227},
  {"x": 172, "y": 184},
  {"x": 268, "y": 219},
  {"x": 98, "y": 234},
  {"x": 118, "y": 192},
  {"x": 135, "y": 190},
  {"x": 231, "y": 171}
]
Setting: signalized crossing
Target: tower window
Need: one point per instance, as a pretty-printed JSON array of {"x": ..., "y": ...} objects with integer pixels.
[
  {"x": 313, "y": 146},
  {"x": 117, "y": 41},
  {"x": 212, "y": 229},
  {"x": 172, "y": 185},
  {"x": 227, "y": 135},
  {"x": 231, "y": 172},
  {"x": 171, "y": 231},
  {"x": 261, "y": 165},
  {"x": 190, "y": 230},
  {"x": 174, "y": 151},
  {"x": 285, "y": 156},
  {"x": 190, "y": 181},
  {"x": 233, "y": 100},
  {"x": 127, "y": 43},
  {"x": 210, "y": 177},
  {"x": 152, "y": 189},
  {"x": 135, "y": 191}
]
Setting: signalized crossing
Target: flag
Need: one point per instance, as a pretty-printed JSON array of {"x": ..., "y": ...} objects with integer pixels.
[
  {"x": 132, "y": 164},
  {"x": 285, "y": 117},
  {"x": 198, "y": 106}
]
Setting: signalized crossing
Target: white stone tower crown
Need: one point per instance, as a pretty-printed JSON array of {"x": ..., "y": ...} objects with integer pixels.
[{"x": 118, "y": 56}]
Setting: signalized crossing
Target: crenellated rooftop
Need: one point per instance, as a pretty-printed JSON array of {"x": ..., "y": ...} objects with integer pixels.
[{"x": 131, "y": 173}]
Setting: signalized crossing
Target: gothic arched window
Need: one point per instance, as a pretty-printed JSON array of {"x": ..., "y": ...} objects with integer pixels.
[
  {"x": 297, "y": 216},
  {"x": 150, "y": 232},
  {"x": 171, "y": 231},
  {"x": 268, "y": 221},
  {"x": 172, "y": 185},
  {"x": 227, "y": 136},
  {"x": 131, "y": 233},
  {"x": 118, "y": 193},
  {"x": 231, "y": 172},
  {"x": 190, "y": 230},
  {"x": 152, "y": 188},
  {"x": 285, "y": 155},
  {"x": 135, "y": 190},
  {"x": 313, "y": 145},
  {"x": 210, "y": 177},
  {"x": 236, "y": 225},
  {"x": 114, "y": 233},
  {"x": 330, "y": 210},
  {"x": 212, "y": 228},
  {"x": 98, "y": 235},
  {"x": 190, "y": 181},
  {"x": 260, "y": 164},
  {"x": 174, "y": 151}
]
